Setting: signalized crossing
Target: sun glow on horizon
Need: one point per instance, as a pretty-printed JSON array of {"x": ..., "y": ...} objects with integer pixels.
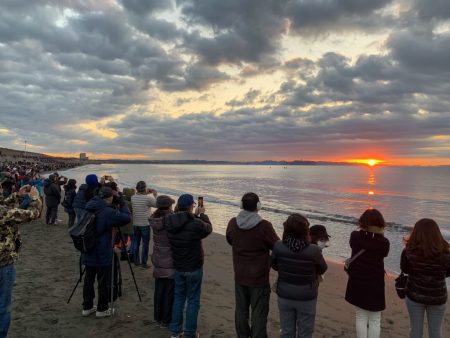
[{"x": 369, "y": 161}]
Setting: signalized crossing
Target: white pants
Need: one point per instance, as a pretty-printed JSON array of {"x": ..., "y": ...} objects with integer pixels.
[{"x": 366, "y": 318}]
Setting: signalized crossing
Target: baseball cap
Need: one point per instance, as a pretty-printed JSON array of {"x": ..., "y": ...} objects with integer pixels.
[{"x": 185, "y": 201}]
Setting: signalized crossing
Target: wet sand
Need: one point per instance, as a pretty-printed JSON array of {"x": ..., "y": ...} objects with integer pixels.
[{"x": 48, "y": 270}]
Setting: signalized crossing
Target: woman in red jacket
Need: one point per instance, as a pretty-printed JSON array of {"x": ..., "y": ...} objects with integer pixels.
[{"x": 426, "y": 259}]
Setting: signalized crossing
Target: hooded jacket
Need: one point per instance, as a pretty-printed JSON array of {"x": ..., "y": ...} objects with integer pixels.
[
  {"x": 298, "y": 271},
  {"x": 426, "y": 277},
  {"x": 107, "y": 218},
  {"x": 365, "y": 286},
  {"x": 185, "y": 232},
  {"x": 79, "y": 200},
  {"x": 162, "y": 253},
  {"x": 69, "y": 196},
  {"x": 251, "y": 238},
  {"x": 52, "y": 193}
]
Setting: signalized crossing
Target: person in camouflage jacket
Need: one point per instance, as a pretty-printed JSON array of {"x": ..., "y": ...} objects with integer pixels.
[{"x": 10, "y": 218}]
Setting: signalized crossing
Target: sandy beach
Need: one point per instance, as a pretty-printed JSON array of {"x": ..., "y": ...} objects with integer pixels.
[{"x": 48, "y": 270}]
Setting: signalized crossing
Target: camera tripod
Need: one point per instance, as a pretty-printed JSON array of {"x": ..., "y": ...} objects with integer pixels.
[{"x": 82, "y": 271}]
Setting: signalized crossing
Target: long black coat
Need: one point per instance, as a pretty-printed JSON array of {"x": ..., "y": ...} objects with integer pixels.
[
  {"x": 52, "y": 193},
  {"x": 365, "y": 286}
]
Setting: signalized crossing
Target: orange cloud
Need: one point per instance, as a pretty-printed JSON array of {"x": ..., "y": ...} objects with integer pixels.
[{"x": 168, "y": 150}]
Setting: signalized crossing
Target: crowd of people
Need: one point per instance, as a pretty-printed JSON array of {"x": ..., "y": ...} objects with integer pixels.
[{"x": 177, "y": 259}]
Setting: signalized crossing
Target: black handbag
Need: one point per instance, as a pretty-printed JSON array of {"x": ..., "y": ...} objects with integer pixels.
[{"x": 401, "y": 283}]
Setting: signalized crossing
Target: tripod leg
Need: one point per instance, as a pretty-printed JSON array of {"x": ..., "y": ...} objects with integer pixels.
[
  {"x": 131, "y": 269},
  {"x": 78, "y": 282},
  {"x": 112, "y": 283},
  {"x": 79, "y": 279}
]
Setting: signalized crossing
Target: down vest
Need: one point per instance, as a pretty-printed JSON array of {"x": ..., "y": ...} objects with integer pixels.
[
  {"x": 426, "y": 281},
  {"x": 162, "y": 254},
  {"x": 297, "y": 271}
]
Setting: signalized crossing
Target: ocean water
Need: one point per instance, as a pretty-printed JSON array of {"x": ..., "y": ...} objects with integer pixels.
[{"x": 334, "y": 196}]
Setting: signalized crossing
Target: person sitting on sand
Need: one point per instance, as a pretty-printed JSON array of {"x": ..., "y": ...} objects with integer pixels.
[
  {"x": 163, "y": 270},
  {"x": 319, "y": 236},
  {"x": 298, "y": 264},
  {"x": 365, "y": 286},
  {"x": 426, "y": 261},
  {"x": 186, "y": 230},
  {"x": 99, "y": 261},
  {"x": 251, "y": 238}
]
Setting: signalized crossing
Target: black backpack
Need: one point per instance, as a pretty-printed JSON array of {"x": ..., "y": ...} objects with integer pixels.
[{"x": 84, "y": 233}]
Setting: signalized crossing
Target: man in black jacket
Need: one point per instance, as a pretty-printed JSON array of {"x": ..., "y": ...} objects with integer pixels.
[
  {"x": 52, "y": 198},
  {"x": 186, "y": 230}
]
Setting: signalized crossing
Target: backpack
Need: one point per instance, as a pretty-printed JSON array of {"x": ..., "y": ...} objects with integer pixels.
[{"x": 84, "y": 233}]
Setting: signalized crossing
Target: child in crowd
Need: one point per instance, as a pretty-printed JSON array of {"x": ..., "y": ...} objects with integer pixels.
[{"x": 319, "y": 236}]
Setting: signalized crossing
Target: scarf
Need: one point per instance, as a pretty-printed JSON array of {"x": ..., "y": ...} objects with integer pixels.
[{"x": 294, "y": 244}]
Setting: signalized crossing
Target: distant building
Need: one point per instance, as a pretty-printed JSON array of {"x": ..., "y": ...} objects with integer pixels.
[{"x": 83, "y": 156}]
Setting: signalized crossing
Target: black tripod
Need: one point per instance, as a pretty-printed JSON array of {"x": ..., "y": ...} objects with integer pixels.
[{"x": 82, "y": 271}]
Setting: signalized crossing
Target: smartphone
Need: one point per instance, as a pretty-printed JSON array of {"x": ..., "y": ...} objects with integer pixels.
[{"x": 200, "y": 201}]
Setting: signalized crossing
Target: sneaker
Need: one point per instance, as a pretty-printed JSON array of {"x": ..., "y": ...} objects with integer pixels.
[
  {"x": 176, "y": 335},
  {"x": 145, "y": 266},
  {"x": 106, "y": 313},
  {"x": 86, "y": 313}
]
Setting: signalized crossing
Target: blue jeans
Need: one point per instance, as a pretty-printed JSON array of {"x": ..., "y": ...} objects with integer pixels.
[
  {"x": 141, "y": 232},
  {"x": 435, "y": 317},
  {"x": 7, "y": 278},
  {"x": 297, "y": 317},
  {"x": 187, "y": 288}
]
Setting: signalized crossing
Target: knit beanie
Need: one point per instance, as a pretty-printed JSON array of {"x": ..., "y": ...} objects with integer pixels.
[{"x": 91, "y": 179}]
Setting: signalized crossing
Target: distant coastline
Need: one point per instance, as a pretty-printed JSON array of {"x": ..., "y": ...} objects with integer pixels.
[
  {"x": 21, "y": 155},
  {"x": 205, "y": 162}
]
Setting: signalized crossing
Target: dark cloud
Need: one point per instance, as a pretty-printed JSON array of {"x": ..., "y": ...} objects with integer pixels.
[
  {"x": 147, "y": 6},
  {"x": 67, "y": 62},
  {"x": 436, "y": 9},
  {"x": 249, "y": 98}
]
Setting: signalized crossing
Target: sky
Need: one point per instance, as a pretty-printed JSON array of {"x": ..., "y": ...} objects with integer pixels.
[{"x": 241, "y": 80}]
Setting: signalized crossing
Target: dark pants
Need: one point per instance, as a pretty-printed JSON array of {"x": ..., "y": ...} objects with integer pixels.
[
  {"x": 258, "y": 300},
  {"x": 72, "y": 217},
  {"x": 103, "y": 274},
  {"x": 50, "y": 215},
  {"x": 164, "y": 288}
]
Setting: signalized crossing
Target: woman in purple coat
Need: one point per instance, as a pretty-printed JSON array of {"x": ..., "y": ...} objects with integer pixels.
[
  {"x": 163, "y": 271},
  {"x": 365, "y": 286}
]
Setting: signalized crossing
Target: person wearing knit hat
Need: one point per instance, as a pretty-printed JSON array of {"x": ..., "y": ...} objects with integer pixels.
[
  {"x": 163, "y": 271},
  {"x": 142, "y": 203},
  {"x": 91, "y": 179}
]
